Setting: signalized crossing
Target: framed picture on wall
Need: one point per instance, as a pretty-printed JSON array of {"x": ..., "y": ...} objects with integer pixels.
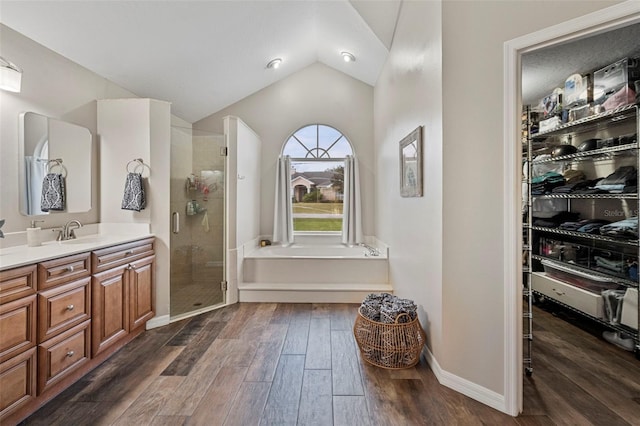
[{"x": 411, "y": 164}]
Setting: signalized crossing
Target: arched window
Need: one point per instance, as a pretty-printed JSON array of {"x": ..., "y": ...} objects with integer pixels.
[{"x": 317, "y": 154}]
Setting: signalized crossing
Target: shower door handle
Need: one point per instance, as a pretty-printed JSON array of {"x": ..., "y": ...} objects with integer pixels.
[{"x": 175, "y": 222}]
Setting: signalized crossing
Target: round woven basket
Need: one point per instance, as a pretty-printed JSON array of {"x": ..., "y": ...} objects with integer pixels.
[{"x": 391, "y": 346}]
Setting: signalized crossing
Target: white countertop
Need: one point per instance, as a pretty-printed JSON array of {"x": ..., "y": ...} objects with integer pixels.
[{"x": 91, "y": 237}]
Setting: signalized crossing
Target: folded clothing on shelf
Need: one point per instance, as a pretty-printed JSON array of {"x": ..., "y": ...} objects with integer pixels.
[
  {"x": 555, "y": 221},
  {"x": 613, "y": 265},
  {"x": 593, "y": 226},
  {"x": 573, "y": 176},
  {"x": 545, "y": 183},
  {"x": 616, "y": 182},
  {"x": 627, "y": 228},
  {"x": 580, "y": 187},
  {"x": 590, "y": 226}
]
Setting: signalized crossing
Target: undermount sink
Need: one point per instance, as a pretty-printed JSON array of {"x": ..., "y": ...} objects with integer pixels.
[{"x": 84, "y": 240}]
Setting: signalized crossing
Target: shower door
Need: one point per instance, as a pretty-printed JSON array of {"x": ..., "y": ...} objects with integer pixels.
[{"x": 197, "y": 222}]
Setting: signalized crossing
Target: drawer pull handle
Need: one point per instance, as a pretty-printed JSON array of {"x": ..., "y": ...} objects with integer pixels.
[
  {"x": 132, "y": 266},
  {"x": 70, "y": 268},
  {"x": 128, "y": 252},
  {"x": 559, "y": 293},
  {"x": 70, "y": 354},
  {"x": 70, "y": 307}
]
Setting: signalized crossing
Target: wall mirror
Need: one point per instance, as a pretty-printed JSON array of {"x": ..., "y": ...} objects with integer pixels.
[
  {"x": 48, "y": 145},
  {"x": 411, "y": 164}
]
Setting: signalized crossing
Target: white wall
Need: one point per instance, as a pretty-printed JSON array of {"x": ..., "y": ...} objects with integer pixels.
[
  {"x": 445, "y": 72},
  {"x": 317, "y": 94},
  {"x": 52, "y": 86},
  {"x": 243, "y": 189},
  {"x": 409, "y": 94},
  {"x": 139, "y": 128},
  {"x": 473, "y": 254}
]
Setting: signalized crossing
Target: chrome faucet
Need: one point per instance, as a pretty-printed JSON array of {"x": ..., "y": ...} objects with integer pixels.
[{"x": 67, "y": 232}]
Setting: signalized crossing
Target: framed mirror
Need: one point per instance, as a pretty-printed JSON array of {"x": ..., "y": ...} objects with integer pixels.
[
  {"x": 50, "y": 146},
  {"x": 411, "y": 164}
]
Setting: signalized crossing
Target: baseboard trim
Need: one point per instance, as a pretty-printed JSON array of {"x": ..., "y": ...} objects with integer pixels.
[
  {"x": 465, "y": 387},
  {"x": 156, "y": 322}
]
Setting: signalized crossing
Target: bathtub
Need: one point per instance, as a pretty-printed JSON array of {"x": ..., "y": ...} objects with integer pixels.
[
  {"x": 308, "y": 251},
  {"x": 312, "y": 273}
]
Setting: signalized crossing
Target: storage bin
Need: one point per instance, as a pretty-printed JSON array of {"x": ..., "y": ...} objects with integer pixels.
[
  {"x": 550, "y": 124},
  {"x": 577, "y": 91},
  {"x": 565, "y": 252},
  {"x": 577, "y": 113},
  {"x": 584, "y": 280},
  {"x": 585, "y": 301},
  {"x": 610, "y": 79},
  {"x": 391, "y": 346}
]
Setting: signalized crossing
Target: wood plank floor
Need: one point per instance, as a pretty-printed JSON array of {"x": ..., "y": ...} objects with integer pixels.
[{"x": 298, "y": 364}]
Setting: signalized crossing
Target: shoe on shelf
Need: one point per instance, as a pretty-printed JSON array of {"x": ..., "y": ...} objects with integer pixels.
[{"x": 618, "y": 339}]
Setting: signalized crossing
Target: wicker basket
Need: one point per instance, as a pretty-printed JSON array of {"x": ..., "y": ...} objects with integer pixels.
[{"x": 391, "y": 346}]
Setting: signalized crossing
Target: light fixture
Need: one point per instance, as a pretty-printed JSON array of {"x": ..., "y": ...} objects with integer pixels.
[
  {"x": 274, "y": 63},
  {"x": 10, "y": 76},
  {"x": 348, "y": 57}
]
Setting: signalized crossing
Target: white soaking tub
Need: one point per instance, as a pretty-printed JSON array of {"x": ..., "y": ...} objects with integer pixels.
[{"x": 313, "y": 273}]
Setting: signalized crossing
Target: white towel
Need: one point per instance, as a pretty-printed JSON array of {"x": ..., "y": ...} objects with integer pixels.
[
  {"x": 52, "y": 192},
  {"x": 134, "y": 197}
]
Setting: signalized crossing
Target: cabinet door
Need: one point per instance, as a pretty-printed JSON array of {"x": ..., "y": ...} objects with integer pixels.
[
  {"x": 141, "y": 292},
  {"x": 17, "y": 327},
  {"x": 110, "y": 308},
  {"x": 17, "y": 382}
]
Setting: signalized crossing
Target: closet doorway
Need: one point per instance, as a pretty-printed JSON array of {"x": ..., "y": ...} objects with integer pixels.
[
  {"x": 545, "y": 65},
  {"x": 198, "y": 282}
]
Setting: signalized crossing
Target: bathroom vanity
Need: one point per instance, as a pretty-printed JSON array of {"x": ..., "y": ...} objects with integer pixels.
[{"x": 63, "y": 314}]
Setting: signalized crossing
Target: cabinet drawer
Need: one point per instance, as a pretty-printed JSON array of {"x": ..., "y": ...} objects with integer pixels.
[
  {"x": 63, "y": 307},
  {"x": 575, "y": 297},
  {"x": 61, "y": 355},
  {"x": 17, "y": 283},
  {"x": 17, "y": 326},
  {"x": 17, "y": 382},
  {"x": 122, "y": 254},
  {"x": 64, "y": 270}
]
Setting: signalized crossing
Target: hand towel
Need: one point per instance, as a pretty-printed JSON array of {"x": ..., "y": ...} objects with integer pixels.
[
  {"x": 52, "y": 192},
  {"x": 134, "y": 196}
]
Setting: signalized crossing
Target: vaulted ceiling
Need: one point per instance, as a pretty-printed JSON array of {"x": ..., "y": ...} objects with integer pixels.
[{"x": 205, "y": 55}]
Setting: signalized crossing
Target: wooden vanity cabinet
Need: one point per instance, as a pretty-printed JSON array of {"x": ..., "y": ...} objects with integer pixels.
[
  {"x": 64, "y": 302},
  {"x": 17, "y": 338},
  {"x": 61, "y": 318},
  {"x": 123, "y": 292}
]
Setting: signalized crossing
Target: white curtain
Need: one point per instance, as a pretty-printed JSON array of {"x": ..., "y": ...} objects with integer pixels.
[
  {"x": 351, "y": 210},
  {"x": 283, "y": 212},
  {"x": 34, "y": 171}
]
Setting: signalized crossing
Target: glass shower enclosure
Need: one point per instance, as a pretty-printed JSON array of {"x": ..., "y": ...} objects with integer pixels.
[{"x": 197, "y": 222}]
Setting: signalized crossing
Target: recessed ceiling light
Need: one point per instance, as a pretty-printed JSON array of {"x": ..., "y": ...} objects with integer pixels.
[
  {"x": 274, "y": 63},
  {"x": 348, "y": 57}
]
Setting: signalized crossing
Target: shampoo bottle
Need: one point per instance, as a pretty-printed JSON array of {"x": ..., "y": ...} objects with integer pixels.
[{"x": 33, "y": 234}]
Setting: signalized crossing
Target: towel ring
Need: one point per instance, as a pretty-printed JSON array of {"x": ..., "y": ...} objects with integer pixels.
[
  {"x": 140, "y": 163},
  {"x": 56, "y": 162}
]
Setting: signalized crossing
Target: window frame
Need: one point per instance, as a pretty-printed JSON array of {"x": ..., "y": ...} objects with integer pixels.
[{"x": 321, "y": 159}]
